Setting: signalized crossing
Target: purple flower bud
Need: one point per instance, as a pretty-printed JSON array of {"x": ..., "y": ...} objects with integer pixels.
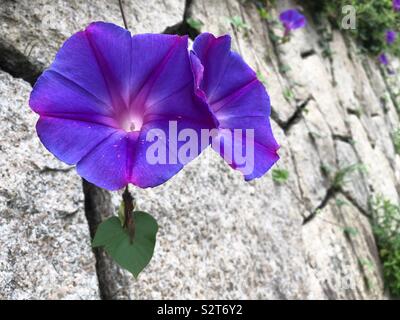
[
  {"x": 383, "y": 59},
  {"x": 396, "y": 5},
  {"x": 291, "y": 20},
  {"x": 391, "y": 36}
]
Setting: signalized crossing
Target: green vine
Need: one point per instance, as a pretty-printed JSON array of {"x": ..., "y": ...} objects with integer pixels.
[{"x": 373, "y": 19}]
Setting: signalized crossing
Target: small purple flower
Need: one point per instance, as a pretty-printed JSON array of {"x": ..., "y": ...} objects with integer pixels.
[
  {"x": 383, "y": 59},
  {"x": 396, "y": 5},
  {"x": 291, "y": 20},
  {"x": 391, "y": 36},
  {"x": 105, "y": 91},
  {"x": 237, "y": 99}
]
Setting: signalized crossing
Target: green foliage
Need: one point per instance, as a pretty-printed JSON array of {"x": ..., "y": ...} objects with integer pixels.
[
  {"x": 195, "y": 23},
  {"x": 396, "y": 140},
  {"x": 357, "y": 112},
  {"x": 284, "y": 68},
  {"x": 274, "y": 38},
  {"x": 325, "y": 169},
  {"x": 263, "y": 13},
  {"x": 261, "y": 77},
  {"x": 288, "y": 94},
  {"x": 340, "y": 177},
  {"x": 374, "y": 17},
  {"x": 280, "y": 175},
  {"x": 340, "y": 203},
  {"x": 366, "y": 263},
  {"x": 131, "y": 254},
  {"x": 350, "y": 231},
  {"x": 238, "y": 23},
  {"x": 386, "y": 224}
]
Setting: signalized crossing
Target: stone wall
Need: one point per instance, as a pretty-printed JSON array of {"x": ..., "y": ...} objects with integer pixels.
[{"x": 219, "y": 236}]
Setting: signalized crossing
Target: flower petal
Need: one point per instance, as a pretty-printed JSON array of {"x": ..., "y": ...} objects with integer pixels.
[
  {"x": 101, "y": 83},
  {"x": 292, "y": 19},
  {"x": 198, "y": 73},
  {"x": 77, "y": 62},
  {"x": 166, "y": 94},
  {"x": 144, "y": 173},
  {"x": 106, "y": 165},
  {"x": 253, "y": 159},
  {"x": 154, "y": 77},
  {"x": 87, "y": 76},
  {"x": 68, "y": 139},
  {"x": 224, "y": 71},
  {"x": 237, "y": 98},
  {"x": 182, "y": 105},
  {"x": 111, "y": 46},
  {"x": 54, "y": 94}
]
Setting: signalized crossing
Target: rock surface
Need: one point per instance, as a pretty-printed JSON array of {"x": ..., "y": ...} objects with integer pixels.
[
  {"x": 37, "y": 30},
  {"x": 45, "y": 244},
  {"x": 219, "y": 236}
]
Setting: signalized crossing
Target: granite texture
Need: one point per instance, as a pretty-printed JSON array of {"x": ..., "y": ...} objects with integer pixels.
[{"x": 219, "y": 237}]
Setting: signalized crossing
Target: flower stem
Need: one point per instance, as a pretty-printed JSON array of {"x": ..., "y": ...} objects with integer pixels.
[
  {"x": 121, "y": 8},
  {"x": 129, "y": 206}
]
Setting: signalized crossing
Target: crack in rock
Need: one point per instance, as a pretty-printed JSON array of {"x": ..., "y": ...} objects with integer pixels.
[
  {"x": 328, "y": 196},
  {"x": 346, "y": 139},
  {"x": 349, "y": 198},
  {"x": 113, "y": 282},
  {"x": 183, "y": 27},
  {"x": 17, "y": 64},
  {"x": 294, "y": 118},
  {"x": 49, "y": 169},
  {"x": 308, "y": 53}
]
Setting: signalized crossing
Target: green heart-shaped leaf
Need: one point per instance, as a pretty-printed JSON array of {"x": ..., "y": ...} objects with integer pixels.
[{"x": 131, "y": 255}]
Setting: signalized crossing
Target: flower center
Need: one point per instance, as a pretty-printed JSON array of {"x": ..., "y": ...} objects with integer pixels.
[{"x": 131, "y": 123}]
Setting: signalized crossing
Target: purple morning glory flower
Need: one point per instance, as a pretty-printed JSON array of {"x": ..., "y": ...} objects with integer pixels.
[
  {"x": 291, "y": 20},
  {"x": 396, "y": 5},
  {"x": 105, "y": 90},
  {"x": 237, "y": 99},
  {"x": 390, "y": 36},
  {"x": 383, "y": 59}
]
